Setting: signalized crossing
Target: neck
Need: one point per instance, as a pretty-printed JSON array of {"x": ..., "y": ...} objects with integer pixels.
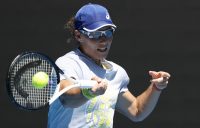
[{"x": 98, "y": 62}]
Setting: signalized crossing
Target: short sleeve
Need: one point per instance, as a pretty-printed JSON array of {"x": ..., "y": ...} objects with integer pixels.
[
  {"x": 70, "y": 67},
  {"x": 125, "y": 81}
]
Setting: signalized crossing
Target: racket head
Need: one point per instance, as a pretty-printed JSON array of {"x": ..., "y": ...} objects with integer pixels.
[{"x": 19, "y": 80}]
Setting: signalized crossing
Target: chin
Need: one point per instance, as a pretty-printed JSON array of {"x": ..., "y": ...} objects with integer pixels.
[{"x": 102, "y": 57}]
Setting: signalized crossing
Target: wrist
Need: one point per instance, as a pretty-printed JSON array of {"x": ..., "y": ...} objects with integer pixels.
[
  {"x": 87, "y": 93},
  {"x": 157, "y": 88}
]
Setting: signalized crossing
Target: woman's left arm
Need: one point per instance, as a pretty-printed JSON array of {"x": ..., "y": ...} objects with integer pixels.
[{"x": 138, "y": 108}]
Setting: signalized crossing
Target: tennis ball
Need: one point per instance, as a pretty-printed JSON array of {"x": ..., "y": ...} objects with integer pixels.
[{"x": 40, "y": 80}]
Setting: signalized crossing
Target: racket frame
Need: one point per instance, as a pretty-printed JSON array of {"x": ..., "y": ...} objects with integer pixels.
[{"x": 8, "y": 78}]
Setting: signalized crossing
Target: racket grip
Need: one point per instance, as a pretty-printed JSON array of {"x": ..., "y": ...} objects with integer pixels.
[{"x": 87, "y": 83}]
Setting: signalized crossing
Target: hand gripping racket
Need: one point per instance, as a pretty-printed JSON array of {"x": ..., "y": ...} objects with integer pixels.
[{"x": 19, "y": 81}]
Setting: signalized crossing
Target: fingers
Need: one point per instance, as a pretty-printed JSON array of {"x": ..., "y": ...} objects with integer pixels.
[
  {"x": 160, "y": 79},
  {"x": 154, "y": 74},
  {"x": 101, "y": 82},
  {"x": 101, "y": 86},
  {"x": 159, "y": 74},
  {"x": 97, "y": 79}
]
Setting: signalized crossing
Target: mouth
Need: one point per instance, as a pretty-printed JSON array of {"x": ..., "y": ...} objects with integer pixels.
[{"x": 102, "y": 49}]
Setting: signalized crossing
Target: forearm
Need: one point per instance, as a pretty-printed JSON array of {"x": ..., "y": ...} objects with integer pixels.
[
  {"x": 146, "y": 102},
  {"x": 72, "y": 101},
  {"x": 76, "y": 97},
  {"x": 72, "y": 98},
  {"x": 138, "y": 108}
]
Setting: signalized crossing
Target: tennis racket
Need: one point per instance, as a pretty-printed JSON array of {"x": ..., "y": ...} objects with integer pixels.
[{"x": 19, "y": 81}]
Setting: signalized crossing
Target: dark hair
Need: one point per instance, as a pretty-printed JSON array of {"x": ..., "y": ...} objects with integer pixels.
[{"x": 69, "y": 26}]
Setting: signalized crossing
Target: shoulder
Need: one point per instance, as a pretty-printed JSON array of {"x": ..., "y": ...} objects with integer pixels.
[
  {"x": 70, "y": 64},
  {"x": 120, "y": 71},
  {"x": 70, "y": 57},
  {"x": 118, "y": 67},
  {"x": 68, "y": 60}
]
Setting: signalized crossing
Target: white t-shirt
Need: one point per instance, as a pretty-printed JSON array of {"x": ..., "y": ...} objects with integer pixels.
[{"x": 97, "y": 112}]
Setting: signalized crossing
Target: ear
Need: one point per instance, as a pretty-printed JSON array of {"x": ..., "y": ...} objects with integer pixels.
[{"x": 78, "y": 36}]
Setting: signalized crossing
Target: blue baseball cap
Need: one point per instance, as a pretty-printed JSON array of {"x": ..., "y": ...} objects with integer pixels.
[{"x": 92, "y": 17}]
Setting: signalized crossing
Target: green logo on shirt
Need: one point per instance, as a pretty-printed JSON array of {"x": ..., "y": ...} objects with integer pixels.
[{"x": 99, "y": 112}]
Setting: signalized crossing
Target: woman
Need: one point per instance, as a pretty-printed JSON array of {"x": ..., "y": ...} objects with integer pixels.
[{"x": 93, "y": 29}]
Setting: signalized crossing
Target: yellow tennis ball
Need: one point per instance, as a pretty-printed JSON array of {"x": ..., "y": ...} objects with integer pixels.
[{"x": 40, "y": 80}]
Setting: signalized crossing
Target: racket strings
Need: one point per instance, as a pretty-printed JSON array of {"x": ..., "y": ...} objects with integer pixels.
[{"x": 36, "y": 97}]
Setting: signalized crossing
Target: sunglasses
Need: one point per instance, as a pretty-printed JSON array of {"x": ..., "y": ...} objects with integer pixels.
[{"x": 98, "y": 34}]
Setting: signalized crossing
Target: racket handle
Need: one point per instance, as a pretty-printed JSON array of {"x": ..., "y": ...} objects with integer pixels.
[
  {"x": 59, "y": 93},
  {"x": 81, "y": 84},
  {"x": 87, "y": 83}
]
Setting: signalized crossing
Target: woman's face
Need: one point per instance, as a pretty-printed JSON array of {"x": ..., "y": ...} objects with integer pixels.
[{"x": 97, "y": 49}]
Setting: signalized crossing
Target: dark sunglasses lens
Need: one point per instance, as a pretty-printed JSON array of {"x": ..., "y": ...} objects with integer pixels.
[
  {"x": 96, "y": 35},
  {"x": 109, "y": 33}
]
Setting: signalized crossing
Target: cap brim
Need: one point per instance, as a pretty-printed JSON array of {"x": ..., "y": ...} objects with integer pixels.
[{"x": 95, "y": 26}]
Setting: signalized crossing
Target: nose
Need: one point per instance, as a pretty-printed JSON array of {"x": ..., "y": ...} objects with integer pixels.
[{"x": 102, "y": 39}]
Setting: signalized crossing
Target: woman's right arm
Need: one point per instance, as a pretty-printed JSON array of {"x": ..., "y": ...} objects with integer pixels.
[{"x": 74, "y": 97}]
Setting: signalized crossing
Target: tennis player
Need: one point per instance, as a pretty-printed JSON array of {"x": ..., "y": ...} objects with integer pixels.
[{"x": 93, "y": 29}]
